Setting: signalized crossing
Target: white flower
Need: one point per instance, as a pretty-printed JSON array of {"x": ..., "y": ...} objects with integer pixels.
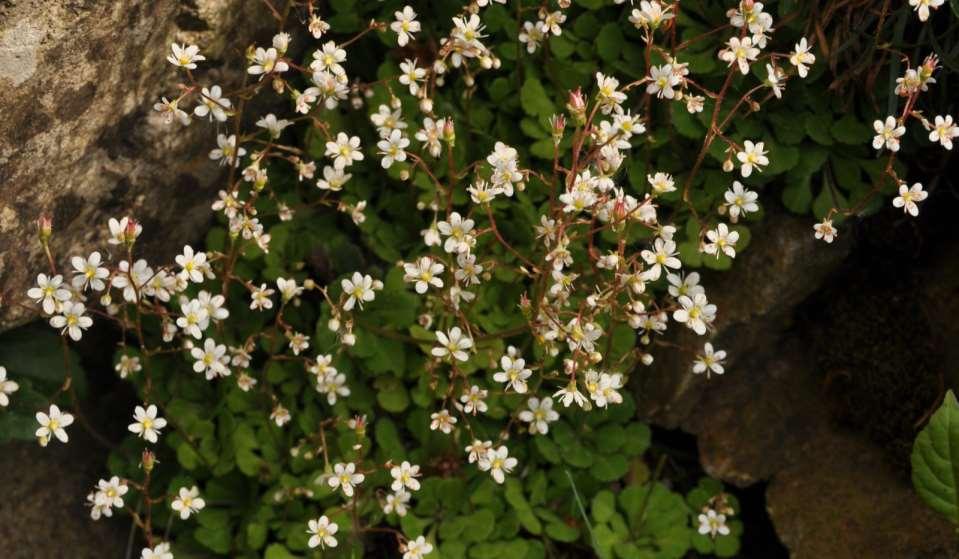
[
  {"x": 147, "y": 425},
  {"x": 72, "y": 320},
  {"x": 344, "y": 151},
  {"x": 188, "y": 502},
  {"x": 6, "y": 387},
  {"x": 712, "y": 524},
  {"x": 213, "y": 305},
  {"x": 328, "y": 60},
  {"x": 411, "y": 75},
  {"x": 393, "y": 148},
  {"x": 213, "y": 103},
  {"x": 697, "y": 312},
  {"x": 260, "y": 298},
  {"x": 944, "y": 131},
  {"x": 345, "y": 477},
  {"x": 185, "y": 56},
  {"x": 801, "y": 58},
  {"x": 160, "y": 551},
  {"x": 721, "y": 240},
  {"x": 651, "y": 14},
  {"x": 498, "y": 463},
  {"x": 359, "y": 289},
  {"x": 53, "y": 423},
  {"x": 317, "y": 26},
  {"x": 442, "y": 421},
  {"x": 922, "y": 7},
  {"x": 396, "y": 502},
  {"x": 423, "y": 273},
  {"x": 266, "y": 61},
  {"x": 405, "y": 25},
  {"x": 688, "y": 285},
  {"x": 774, "y": 79},
  {"x": 909, "y": 198},
  {"x": 473, "y": 400},
  {"x": 124, "y": 231},
  {"x": 404, "y": 477},
  {"x": 49, "y": 293},
  {"x": 709, "y": 361},
  {"x": 417, "y": 549},
  {"x": 195, "y": 318},
  {"x": 170, "y": 110},
  {"x": 89, "y": 272},
  {"x": 739, "y": 51},
  {"x": 321, "y": 532},
  {"x": 280, "y": 415},
  {"x": 539, "y": 415},
  {"x": 887, "y": 134},
  {"x": 191, "y": 264},
  {"x": 662, "y": 80},
  {"x": 661, "y": 183},
  {"x": 453, "y": 344},
  {"x": 532, "y": 35},
  {"x": 273, "y": 125},
  {"x": 752, "y": 157},
  {"x": 825, "y": 231},
  {"x": 333, "y": 179},
  {"x": 569, "y": 394},
  {"x": 609, "y": 98},
  {"x": 211, "y": 359},
  {"x": 477, "y": 449},
  {"x": 604, "y": 388},
  {"x": 663, "y": 256},
  {"x": 227, "y": 151},
  {"x": 740, "y": 201},
  {"x": 128, "y": 365},
  {"x": 514, "y": 373}
]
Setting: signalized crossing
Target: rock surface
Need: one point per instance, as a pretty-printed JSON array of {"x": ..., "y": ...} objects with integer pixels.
[
  {"x": 78, "y": 138},
  {"x": 833, "y": 490}
]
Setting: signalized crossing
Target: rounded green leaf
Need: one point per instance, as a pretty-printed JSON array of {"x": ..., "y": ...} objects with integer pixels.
[{"x": 935, "y": 460}]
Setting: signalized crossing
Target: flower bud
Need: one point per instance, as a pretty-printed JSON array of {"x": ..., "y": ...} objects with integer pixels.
[
  {"x": 148, "y": 460},
  {"x": 426, "y": 105},
  {"x": 449, "y": 132},
  {"x": 44, "y": 228},
  {"x": 577, "y": 106},
  {"x": 728, "y": 166}
]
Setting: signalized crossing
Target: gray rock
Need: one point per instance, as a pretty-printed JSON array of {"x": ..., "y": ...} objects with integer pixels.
[{"x": 78, "y": 138}]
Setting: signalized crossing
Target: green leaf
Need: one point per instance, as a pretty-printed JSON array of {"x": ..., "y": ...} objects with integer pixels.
[
  {"x": 935, "y": 460},
  {"x": 391, "y": 394},
  {"x": 849, "y": 130},
  {"x": 534, "y": 99},
  {"x": 609, "y": 42}
]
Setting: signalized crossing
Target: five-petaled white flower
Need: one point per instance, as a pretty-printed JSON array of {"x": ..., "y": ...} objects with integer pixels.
[
  {"x": 405, "y": 25},
  {"x": 922, "y": 7},
  {"x": 740, "y": 201},
  {"x": 321, "y": 532},
  {"x": 712, "y": 523},
  {"x": 344, "y": 151},
  {"x": 267, "y": 61},
  {"x": 909, "y": 198},
  {"x": 888, "y": 133},
  {"x": 213, "y": 103},
  {"x": 697, "y": 312},
  {"x": 753, "y": 156},
  {"x": 662, "y": 80},
  {"x": 71, "y": 320},
  {"x": 53, "y": 424},
  {"x": 709, "y": 361},
  {"x": 359, "y": 290},
  {"x": 6, "y": 387},
  {"x": 721, "y": 241},
  {"x": 423, "y": 273},
  {"x": 498, "y": 463},
  {"x": 442, "y": 421},
  {"x": 453, "y": 344},
  {"x": 192, "y": 264},
  {"x": 49, "y": 293},
  {"x": 663, "y": 256},
  {"x": 188, "y": 502},
  {"x": 539, "y": 415},
  {"x": 393, "y": 148},
  {"x": 417, "y": 549},
  {"x": 185, "y": 56},
  {"x": 404, "y": 477},
  {"x": 739, "y": 51},
  {"x": 514, "y": 373},
  {"x": 160, "y": 551},
  {"x": 147, "y": 425},
  {"x": 345, "y": 477},
  {"x": 88, "y": 272},
  {"x": 473, "y": 400},
  {"x": 825, "y": 230},
  {"x": 944, "y": 131},
  {"x": 211, "y": 359},
  {"x": 227, "y": 152},
  {"x": 801, "y": 58},
  {"x": 273, "y": 125}
]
